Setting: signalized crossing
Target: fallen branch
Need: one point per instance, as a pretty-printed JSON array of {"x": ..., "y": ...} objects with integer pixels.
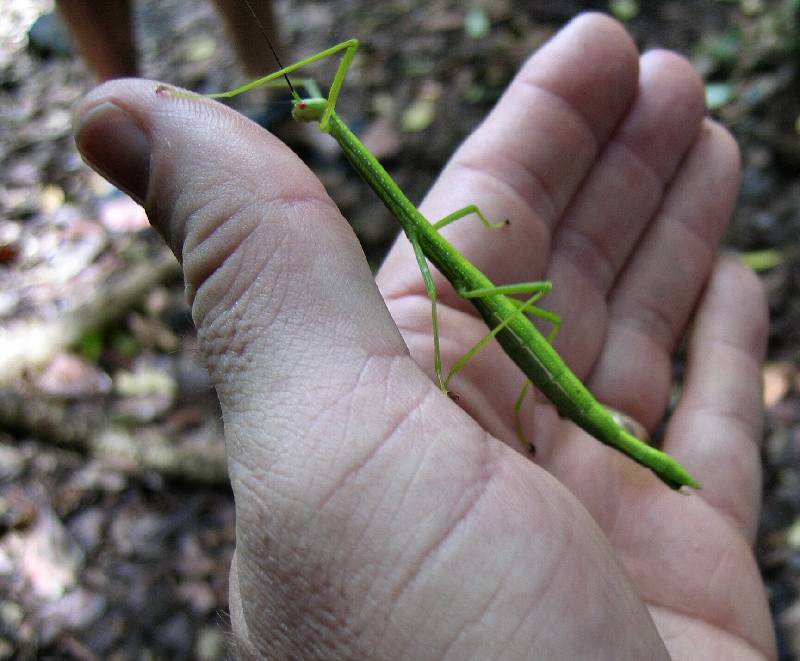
[
  {"x": 53, "y": 420},
  {"x": 27, "y": 344}
]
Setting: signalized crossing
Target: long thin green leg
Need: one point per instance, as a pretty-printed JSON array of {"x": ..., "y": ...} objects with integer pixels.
[
  {"x": 430, "y": 287},
  {"x": 539, "y": 289},
  {"x": 466, "y": 211},
  {"x": 348, "y": 46},
  {"x": 518, "y": 430},
  {"x": 551, "y": 336},
  {"x": 308, "y": 84},
  {"x": 552, "y": 317}
]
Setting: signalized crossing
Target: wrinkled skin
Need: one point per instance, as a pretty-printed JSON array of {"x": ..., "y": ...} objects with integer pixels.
[{"x": 378, "y": 519}]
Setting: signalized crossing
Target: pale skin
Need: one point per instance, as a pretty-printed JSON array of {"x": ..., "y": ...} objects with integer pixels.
[{"x": 376, "y": 518}]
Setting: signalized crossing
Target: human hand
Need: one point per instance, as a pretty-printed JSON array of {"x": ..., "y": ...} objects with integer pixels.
[{"x": 375, "y": 517}]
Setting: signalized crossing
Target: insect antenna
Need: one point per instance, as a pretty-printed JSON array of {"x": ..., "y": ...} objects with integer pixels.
[{"x": 271, "y": 47}]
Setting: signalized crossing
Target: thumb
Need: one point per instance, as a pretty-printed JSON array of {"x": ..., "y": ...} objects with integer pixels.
[
  {"x": 311, "y": 372},
  {"x": 289, "y": 319},
  {"x": 285, "y": 305},
  {"x": 280, "y": 291}
]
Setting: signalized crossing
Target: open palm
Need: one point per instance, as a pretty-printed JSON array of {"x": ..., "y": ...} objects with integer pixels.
[
  {"x": 619, "y": 190},
  {"x": 378, "y": 519}
]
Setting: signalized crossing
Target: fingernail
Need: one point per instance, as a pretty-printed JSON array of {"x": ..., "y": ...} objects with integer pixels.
[{"x": 115, "y": 145}]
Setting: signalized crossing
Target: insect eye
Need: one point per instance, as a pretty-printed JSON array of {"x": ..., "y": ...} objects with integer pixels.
[{"x": 302, "y": 105}]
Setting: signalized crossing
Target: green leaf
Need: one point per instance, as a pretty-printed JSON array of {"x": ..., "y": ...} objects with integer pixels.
[
  {"x": 624, "y": 10},
  {"x": 476, "y": 23},
  {"x": 764, "y": 260},
  {"x": 718, "y": 95},
  {"x": 418, "y": 116},
  {"x": 90, "y": 345}
]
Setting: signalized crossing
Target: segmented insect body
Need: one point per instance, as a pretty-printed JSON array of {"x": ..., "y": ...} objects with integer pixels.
[{"x": 520, "y": 339}]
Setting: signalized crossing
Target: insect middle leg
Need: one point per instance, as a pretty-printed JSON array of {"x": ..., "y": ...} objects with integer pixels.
[
  {"x": 537, "y": 288},
  {"x": 466, "y": 211}
]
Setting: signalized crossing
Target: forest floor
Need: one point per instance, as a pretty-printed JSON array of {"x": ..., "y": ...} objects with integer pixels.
[{"x": 116, "y": 522}]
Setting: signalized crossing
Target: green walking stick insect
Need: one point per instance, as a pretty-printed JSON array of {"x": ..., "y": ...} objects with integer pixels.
[{"x": 506, "y": 316}]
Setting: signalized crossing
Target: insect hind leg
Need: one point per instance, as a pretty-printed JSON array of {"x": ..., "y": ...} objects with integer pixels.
[{"x": 555, "y": 320}]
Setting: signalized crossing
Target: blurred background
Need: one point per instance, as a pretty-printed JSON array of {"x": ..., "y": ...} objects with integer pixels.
[{"x": 116, "y": 523}]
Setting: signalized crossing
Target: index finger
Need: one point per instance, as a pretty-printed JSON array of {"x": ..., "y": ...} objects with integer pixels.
[{"x": 533, "y": 151}]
